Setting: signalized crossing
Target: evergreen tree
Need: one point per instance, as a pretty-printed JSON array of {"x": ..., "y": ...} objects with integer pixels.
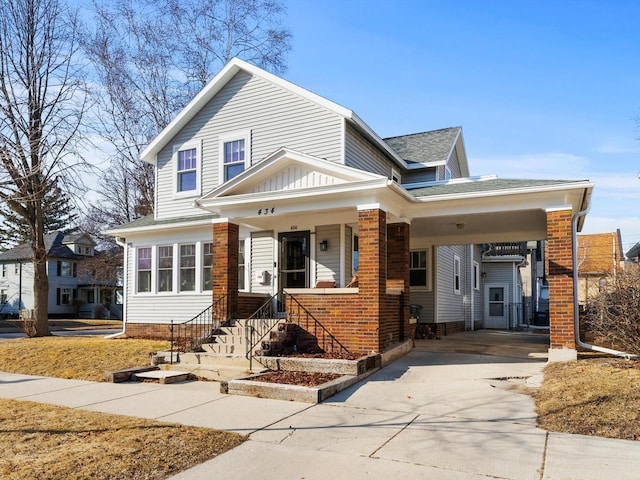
[{"x": 58, "y": 213}]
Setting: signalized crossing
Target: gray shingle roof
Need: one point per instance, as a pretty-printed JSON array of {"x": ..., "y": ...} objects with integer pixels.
[
  {"x": 149, "y": 221},
  {"x": 483, "y": 185},
  {"x": 425, "y": 147},
  {"x": 53, "y": 243}
]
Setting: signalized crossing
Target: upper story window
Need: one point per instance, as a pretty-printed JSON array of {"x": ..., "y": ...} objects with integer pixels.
[
  {"x": 16, "y": 269},
  {"x": 187, "y": 169},
  {"x": 235, "y": 153},
  {"x": 66, "y": 268},
  {"x": 4, "y": 270},
  {"x": 3, "y": 297},
  {"x": 395, "y": 176}
]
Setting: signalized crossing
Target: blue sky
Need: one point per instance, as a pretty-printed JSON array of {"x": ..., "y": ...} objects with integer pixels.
[{"x": 544, "y": 89}]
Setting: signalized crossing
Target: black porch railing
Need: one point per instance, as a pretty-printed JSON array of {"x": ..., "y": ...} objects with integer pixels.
[
  {"x": 261, "y": 323},
  {"x": 189, "y": 336},
  {"x": 300, "y": 316}
]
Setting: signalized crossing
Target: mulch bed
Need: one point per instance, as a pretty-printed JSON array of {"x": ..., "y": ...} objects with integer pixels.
[
  {"x": 302, "y": 379},
  {"x": 327, "y": 355}
]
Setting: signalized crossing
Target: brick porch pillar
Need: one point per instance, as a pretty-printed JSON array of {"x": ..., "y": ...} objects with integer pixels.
[
  {"x": 372, "y": 274},
  {"x": 560, "y": 276},
  {"x": 398, "y": 235},
  {"x": 225, "y": 264}
]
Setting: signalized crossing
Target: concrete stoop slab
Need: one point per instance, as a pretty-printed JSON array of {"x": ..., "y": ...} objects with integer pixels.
[{"x": 164, "y": 377}]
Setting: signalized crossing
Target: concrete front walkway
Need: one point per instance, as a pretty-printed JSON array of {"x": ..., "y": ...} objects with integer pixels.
[{"x": 436, "y": 413}]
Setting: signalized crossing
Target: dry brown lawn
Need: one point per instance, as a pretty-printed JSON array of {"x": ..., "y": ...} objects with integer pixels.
[
  {"x": 84, "y": 358},
  {"x": 599, "y": 397},
  {"x": 40, "y": 441}
]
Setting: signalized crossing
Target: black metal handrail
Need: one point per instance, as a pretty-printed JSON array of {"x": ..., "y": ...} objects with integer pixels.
[
  {"x": 299, "y": 315},
  {"x": 189, "y": 336},
  {"x": 263, "y": 320}
]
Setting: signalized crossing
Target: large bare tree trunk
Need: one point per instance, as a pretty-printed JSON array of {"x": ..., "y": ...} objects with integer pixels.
[{"x": 40, "y": 278}]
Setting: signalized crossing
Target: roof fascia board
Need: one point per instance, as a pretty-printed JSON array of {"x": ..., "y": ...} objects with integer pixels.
[
  {"x": 377, "y": 139},
  {"x": 462, "y": 154},
  {"x": 163, "y": 226},
  {"x": 283, "y": 153}
]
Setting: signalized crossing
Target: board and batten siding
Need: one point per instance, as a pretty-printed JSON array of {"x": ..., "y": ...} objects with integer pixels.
[
  {"x": 165, "y": 307},
  {"x": 359, "y": 153},
  {"x": 275, "y": 117},
  {"x": 328, "y": 263},
  {"x": 451, "y": 305},
  {"x": 262, "y": 260}
]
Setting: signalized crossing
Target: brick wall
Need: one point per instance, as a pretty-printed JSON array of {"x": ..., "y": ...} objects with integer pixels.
[
  {"x": 249, "y": 304},
  {"x": 154, "y": 331},
  {"x": 560, "y": 277},
  {"x": 225, "y": 264}
]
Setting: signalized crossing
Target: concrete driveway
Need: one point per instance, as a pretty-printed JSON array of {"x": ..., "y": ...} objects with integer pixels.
[{"x": 447, "y": 410}]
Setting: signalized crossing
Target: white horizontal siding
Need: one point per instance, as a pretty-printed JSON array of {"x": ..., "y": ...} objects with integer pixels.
[
  {"x": 296, "y": 177},
  {"x": 451, "y": 305},
  {"x": 165, "y": 308},
  {"x": 359, "y": 153},
  {"x": 423, "y": 175},
  {"x": 276, "y": 117},
  {"x": 328, "y": 262},
  {"x": 261, "y": 260}
]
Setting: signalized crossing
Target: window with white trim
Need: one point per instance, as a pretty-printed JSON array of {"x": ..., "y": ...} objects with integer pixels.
[
  {"x": 456, "y": 274},
  {"x": 235, "y": 153},
  {"x": 165, "y": 269},
  {"x": 188, "y": 267},
  {"x": 447, "y": 173},
  {"x": 207, "y": 265},
  {"x": 241, "y": 266},
  {"x": 144, "y": 269},
  {"x": 66, "y": 294},
  {"x": 3, "y": 297},
  {"x": 476, "y": 276},
  {"x": 418, "y": 268},
  {"x": 4, "y": 270},
  {"x": 16, "y": 268},
  {"x": 395, "y": 176},
  {"x": 65, "y": 269},
  {"x": 187, "y": 170}
]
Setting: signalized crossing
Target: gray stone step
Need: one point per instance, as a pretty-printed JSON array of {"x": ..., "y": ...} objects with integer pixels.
[
  {"x": 231, "y": 339},
  {"x": 224, "y": 349},
  {"x": 204, "y": 358},
  {"x": 162, "y": 376}
]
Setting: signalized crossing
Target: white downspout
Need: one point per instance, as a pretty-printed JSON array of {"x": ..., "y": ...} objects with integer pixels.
[
  {"x": 472, "y": 288},
  {"x": 125, "y": 265},
  {"x": 576, "y": 315}
]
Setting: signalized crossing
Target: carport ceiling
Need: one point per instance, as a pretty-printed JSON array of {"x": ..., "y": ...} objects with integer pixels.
[{"x": 510, "y": 226}]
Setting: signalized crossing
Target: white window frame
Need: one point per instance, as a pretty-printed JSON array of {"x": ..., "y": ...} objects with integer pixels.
[
  {"x": 63, "y": 292},
  {"x": 174, "y": 159},
  {"x": 447, "y": 173},
  {"x": 457, "y": 287},
  {"x": 196, "y": 264},
  {"x": 16, "y": 268},
  {"x": 476, "y": 275},
  {"x": 428, "y": 273},
  {"x": 202, "y": 266},
  {"x": 4, "y": 296},
  {"x": 232, "y": 137},
  {"x": 69, "y": 263},
  {"x": 151, "y": 270},
  {"x": 4, "y": 270},
  {"x": 173, "y": 272},
  {"x": 395, "y": 176}
]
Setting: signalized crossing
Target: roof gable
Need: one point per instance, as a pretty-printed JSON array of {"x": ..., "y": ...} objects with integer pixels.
[
  {"x": 53, "y": 243},
  {"x": 286, "y": 170},
  {"x": 222, "y": 78}
]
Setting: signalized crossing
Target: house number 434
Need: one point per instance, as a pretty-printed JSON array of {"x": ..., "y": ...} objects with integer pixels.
[{"x": 266, "y": 211}]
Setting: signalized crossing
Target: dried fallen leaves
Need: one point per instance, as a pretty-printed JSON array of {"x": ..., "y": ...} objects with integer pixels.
[{"x": 303, "y": 379}]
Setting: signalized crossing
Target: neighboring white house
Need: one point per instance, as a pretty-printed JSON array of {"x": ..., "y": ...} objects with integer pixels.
[
  {"x": 69, "y": 293},
  {"x": 295, "y": 172}
]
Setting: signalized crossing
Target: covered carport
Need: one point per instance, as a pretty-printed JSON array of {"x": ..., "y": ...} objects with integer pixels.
[{"x": 489, "y": 210}]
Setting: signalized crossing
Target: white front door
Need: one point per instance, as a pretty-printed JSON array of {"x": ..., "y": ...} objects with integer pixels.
[{"x": 496, "y": 307}]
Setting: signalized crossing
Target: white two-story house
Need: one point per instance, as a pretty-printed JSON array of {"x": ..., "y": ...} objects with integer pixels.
[{"x": 263, "y": 186}]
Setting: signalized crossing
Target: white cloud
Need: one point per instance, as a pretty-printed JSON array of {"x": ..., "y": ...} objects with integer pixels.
[{"x": 611, "y": 148}]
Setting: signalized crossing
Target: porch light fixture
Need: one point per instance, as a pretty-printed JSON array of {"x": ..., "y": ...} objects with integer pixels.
[{"x": 324, "y": 245}]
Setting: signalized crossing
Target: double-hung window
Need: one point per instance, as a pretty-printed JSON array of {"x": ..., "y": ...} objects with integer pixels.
[
  {"x": 4, "y": 270},
  {"x": 187, "y": 170},
  {"x": 187, "y": 267},
  {"x": 3, "y": 297},
  {"x": 476, "y": 276},
  {"x": 144, "y": 269},
  {"x": 456, "y": 274},
  {"x": 165, "y": 269},
  {"x": 241, "y": 266},
  {"x": 207, "y": 265},
  {"x": 418, "y": 272},
  {"x": 235, "y": 153}
]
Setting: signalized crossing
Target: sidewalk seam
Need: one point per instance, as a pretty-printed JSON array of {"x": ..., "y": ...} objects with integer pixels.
[
  {"x": 394, "y": 436},
  {"x": 544, "y": 455}
]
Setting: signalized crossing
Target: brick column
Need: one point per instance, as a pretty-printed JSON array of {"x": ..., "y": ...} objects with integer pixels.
[
  {"x": 560, "y": 277},
  {"x": 398, "y": 235},
  {"x": 225, "y": 264},
  {"x": 372, "y": 273}
]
